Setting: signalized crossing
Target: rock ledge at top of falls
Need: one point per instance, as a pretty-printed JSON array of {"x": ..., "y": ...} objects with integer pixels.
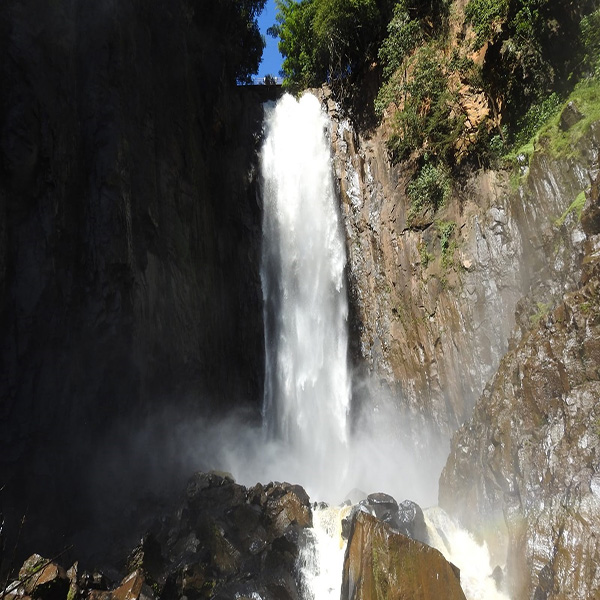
[
  {"x": 381, "y": 563},
  {"x": 523, "y": 472}
]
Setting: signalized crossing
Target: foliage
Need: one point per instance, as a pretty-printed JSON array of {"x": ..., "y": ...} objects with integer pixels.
[
  {"x": 328, "y": 40},
  {"x": 590, "y": 38},
  {"x": 486, "y": 16},
  {"x": 424, "y": 254},
  {"x": 430, "y": 187},
  {"x": 575, "y": 207},
  {"x": 427, "y": 120},
  {"x": 239, "y": 39},
  {"x": 294, "y": 29},
  {"x": 542, "y": 311},
  {"x": 445, "y": 230},
  {"x": 537, "y": 114},
  {"x": 535, "y": 49},
  {"x": 404, "y": 33}
]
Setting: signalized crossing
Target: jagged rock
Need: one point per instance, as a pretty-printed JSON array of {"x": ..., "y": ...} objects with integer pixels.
[
  {"x": 43, "y": 578},
  {"x": 380, "y": 563},
  {"x": 229, "y": 541},
  {"x": 133, "y": 587},
  {"x": 433, "y": 335},
  {"x": 129, "y": 246},
  {"x": 522, "y": 473},
  {"x": 406, "y": 518},
  {"x": 570, "y": 116},
  {"x": 147, "y": 557}
]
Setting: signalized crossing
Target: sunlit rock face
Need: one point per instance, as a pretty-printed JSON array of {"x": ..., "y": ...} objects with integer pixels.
[
  {"x": 523, "y": 472},
  {"x": 381, "y": 563},
  {"x": 430, "y": 324}
]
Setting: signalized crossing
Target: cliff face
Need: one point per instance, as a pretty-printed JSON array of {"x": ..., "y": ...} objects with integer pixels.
[
  {"x": 435, "y": 305},
  {"x": 129, "y": 232},
  {"x": 527, "y": 461}
]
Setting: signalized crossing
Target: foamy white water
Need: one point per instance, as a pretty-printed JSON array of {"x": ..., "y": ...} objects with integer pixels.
[
  {"x": 460, "y": 548},
  {"x": 321, "y": 558},
  {"x": 307, "y": 384}
]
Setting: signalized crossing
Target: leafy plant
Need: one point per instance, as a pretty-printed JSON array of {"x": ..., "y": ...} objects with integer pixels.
[
  {"x": 430, "y": 187},
  {"x": 542, "y": 310},
  {"x": 486, "y": 16},
  {"x": 575, "y": 207},
  {"x": 445, "y": 230}
]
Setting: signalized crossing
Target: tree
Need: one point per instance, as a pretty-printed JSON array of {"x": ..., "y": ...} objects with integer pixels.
[
  {"x": 237, "y": 35},
  {"x": 328, "y": 40}
]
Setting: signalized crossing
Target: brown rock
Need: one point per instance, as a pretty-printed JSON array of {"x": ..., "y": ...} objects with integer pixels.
[
  {"x": 382, "y": 564},
  {"x": 133, "y": 587},
  {"x": 288, "y": 505},
  {"x": 522, "y": 473},
  {"x": 570, "y": 116},
  {"x": 43, "y": 578}
]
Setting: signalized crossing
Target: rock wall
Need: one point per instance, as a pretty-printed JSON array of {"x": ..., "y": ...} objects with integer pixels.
[
  {"x": 523, "y": 472},
  {"x": 129, "y": 237},
  {"x": 432, "y": 317}
]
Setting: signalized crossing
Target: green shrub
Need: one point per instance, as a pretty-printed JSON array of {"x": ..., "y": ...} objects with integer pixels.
[
  {"x": 486, "y": 16},
  {"x": 590, "y": 38},
  {"x": 430, "y": 187}
]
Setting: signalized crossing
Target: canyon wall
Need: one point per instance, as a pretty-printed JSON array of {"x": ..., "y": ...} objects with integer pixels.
[
  {"x": 436, "y": 305},
  {"x": 129, "y": 240},
  {"x": 482, "y": 318}
]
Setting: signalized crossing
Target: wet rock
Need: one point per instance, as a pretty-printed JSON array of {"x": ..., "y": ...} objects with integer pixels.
[
  {"x": 44, "y": 579},
  {"x": 228, "y": 541},
  {"x": 146, "y": 557},
  {"x": 380, "y": 563},
  {"x": 522, "y": 472},
  {"x": 570, "y": 116},
  {"x": 429, "y": 327},
  {"x": 133, "y": 587}
]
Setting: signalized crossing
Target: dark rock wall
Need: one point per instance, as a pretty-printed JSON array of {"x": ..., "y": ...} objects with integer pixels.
[{"x": 129, "y": 233}]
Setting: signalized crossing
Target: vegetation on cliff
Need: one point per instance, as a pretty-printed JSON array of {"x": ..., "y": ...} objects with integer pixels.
[
  {"x": 239, "y": 39},
  {"x": 458, "y": 83}
]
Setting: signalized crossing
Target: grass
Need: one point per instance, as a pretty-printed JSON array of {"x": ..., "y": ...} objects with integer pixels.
[
  {"x": 542, "y": 310},
  {"x": 575, "y": 207},
  {"x": 586, "y": 97},
  {"x": 559, "y": 143}
]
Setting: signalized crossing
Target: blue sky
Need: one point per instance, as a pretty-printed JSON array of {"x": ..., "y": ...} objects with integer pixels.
[{"x": 271, "y": 61}]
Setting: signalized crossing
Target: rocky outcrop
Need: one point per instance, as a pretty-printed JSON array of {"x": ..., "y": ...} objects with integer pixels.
[
  {"x": 380, "y": 563},
  {"x": 406, "y": 518},
  {"x": 224, "y": 541},
  {"x": 434, "y": 305},
  {"x": 129, "y": 239},
  {"x": 523, "y": 472}
]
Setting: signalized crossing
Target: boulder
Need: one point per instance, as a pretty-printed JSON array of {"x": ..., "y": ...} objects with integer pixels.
[
  {"x": 406, "y": 518},
  {"x": 133, "y": 587},
  {"x": 570, "y": 116},
  {"x": 43, "y": 578},
  {"x": 380, "y": 563}
]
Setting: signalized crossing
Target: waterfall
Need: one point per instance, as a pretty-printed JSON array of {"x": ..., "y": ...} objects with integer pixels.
[{"x": 307, "y": 386}]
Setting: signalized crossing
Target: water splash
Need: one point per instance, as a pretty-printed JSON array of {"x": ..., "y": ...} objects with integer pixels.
[
  {"x": 321, "y": 557},
  {"x": 460, "y": 548},
  {"x": 307, "y": 385}
]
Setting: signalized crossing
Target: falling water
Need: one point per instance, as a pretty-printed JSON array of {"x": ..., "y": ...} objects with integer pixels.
[
  {"x": 307, "y": 384},
  {"x": 307, "y": 387}
]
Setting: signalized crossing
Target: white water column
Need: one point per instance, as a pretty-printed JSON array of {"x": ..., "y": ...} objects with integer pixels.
[{"x": 307, "y": 385}]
